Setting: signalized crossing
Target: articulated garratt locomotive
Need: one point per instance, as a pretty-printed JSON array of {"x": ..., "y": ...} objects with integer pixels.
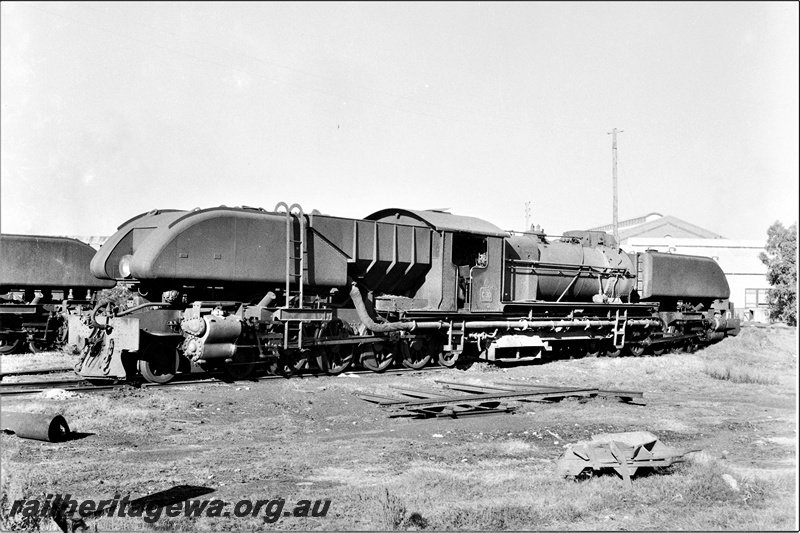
[
  {"x": 228, "y": 288},
  {"x": 42, "y": 281}
]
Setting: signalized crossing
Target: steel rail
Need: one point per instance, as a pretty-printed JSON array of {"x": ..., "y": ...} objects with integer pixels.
[
  {"x": 35, "y": 387},
  {"x": 53, "y": 384},
  {"x": 36, "y": 372}
]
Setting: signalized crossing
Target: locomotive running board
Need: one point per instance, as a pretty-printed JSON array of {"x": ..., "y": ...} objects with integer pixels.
[{"x": 303, "y": 314}]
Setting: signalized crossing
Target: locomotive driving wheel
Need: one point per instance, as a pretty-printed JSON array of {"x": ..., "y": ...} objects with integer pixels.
[
  {"x": 335, "y": 358},
  {"x": 419, "y": 352},
  {"x": 292, "y": 361},
  {"x": 592, "y": 348},
  {"x": 449, "y": 359},
  {"x": 690, "y": 346},
  {"x": 377, "y": 356},
  {"x": 636, "y": 350},
  {"x": 612, "y": 351},
  {"x": 9, "y": 344}
]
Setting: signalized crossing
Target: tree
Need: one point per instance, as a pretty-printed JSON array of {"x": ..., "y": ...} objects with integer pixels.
[{"x": 781, "y": 261}]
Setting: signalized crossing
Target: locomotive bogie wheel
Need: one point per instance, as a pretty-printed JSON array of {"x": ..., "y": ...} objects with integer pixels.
[
  {"x": 159, "y": 362},
  {"x": 418, "y": 352},
  {"x": 377, "y": 356},
  {"x": 334, "y": 359},
  {"x": 659, "y": 351}
]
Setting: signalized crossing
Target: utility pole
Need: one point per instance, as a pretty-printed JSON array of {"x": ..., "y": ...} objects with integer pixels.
[
  {"x": 527, "y": 216},
  {"x": 613, "y": 134}
]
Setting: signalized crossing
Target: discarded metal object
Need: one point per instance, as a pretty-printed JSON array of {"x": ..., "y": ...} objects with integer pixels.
[
  {"x": 49, "y": 428},
  {"x": 545, "y": 393},
  {"x": 625, "y": 453},
  {"x": 481, "y": 399}
]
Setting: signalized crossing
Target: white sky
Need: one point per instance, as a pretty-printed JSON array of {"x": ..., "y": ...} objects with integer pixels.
[{"x": 113, "y": 109}]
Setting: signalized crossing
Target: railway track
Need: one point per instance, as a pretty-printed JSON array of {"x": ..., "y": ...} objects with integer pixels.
[
  {"x": 39, "y": 371},
  {"x": 83, "y": 385}
]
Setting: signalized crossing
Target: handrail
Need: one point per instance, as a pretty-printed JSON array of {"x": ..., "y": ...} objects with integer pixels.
[{"x": 290, "y": 258}]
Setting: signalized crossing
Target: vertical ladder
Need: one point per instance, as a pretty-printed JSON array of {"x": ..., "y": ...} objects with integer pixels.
[
  {"x": 619, "y": 329},
  {"x": 291, "y": 260},
  {"x": 640, "y": 274}
]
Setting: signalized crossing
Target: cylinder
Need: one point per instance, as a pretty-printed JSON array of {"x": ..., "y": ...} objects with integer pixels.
[
  {"x": 221, "y": 329},
  {"x": 218, "y": 340},
  {"x": 46, "y": 427}
]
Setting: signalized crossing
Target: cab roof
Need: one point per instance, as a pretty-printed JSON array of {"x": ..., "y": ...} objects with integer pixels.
[{"x": 438, "y": 220}]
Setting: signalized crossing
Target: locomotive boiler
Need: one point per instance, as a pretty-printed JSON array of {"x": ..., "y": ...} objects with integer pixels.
[
  {"x": 228, "y": 288},
  {"x": 42, "y": 280}
]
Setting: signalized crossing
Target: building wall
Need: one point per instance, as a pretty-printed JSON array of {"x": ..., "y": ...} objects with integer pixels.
[
  {"x": 95, "y": 241},
  {"x": 738, "y": 259}
]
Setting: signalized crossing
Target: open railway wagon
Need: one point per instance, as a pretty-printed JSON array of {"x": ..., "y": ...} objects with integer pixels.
[
  {"x": 226, "y": 288},
  {"x": 42, "y": 280}
]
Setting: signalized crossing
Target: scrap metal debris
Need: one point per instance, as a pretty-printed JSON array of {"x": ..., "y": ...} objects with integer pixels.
[
  {"x": 625, "y": 453},
  {"x": 482, "y": 399}
]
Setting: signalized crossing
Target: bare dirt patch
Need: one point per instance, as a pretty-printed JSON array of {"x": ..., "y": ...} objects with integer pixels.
[{"x": 310, "y": 439}]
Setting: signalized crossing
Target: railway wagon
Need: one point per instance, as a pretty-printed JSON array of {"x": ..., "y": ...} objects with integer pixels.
[
  {"x": 226, "y": 288},
  {"x": 42, "y": 280}
]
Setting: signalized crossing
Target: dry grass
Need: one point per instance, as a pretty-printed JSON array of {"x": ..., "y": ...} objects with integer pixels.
[
  {"x": 739, "y": 374},
  {"x": 693, "y": 496},
  {"x": 35, "y": 361}
]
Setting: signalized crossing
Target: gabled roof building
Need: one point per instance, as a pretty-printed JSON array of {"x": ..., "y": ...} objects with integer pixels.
[{"x": 739, "y": 260}]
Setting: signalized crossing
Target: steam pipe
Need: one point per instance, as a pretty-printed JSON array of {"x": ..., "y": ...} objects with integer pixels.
[
  {"x": 267, "y": 299},
  {"x": 367, "y": 318}
]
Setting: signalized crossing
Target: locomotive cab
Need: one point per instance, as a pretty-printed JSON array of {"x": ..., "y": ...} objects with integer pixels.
[
  {"x": 466, "y": 260},
  {"x": 478, "y": 262}
]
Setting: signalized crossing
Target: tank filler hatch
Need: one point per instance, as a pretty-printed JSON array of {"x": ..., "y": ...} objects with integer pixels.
[{"x": 590, "y": 239}]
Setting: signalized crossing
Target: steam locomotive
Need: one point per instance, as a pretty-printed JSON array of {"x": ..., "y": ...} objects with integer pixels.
[
  {"x": 42, "y": 281},
  {"x": 230, "y": 288}
]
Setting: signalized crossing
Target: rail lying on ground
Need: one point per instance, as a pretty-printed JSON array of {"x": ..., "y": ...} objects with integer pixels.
[{"x": 482, "y": 399}]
